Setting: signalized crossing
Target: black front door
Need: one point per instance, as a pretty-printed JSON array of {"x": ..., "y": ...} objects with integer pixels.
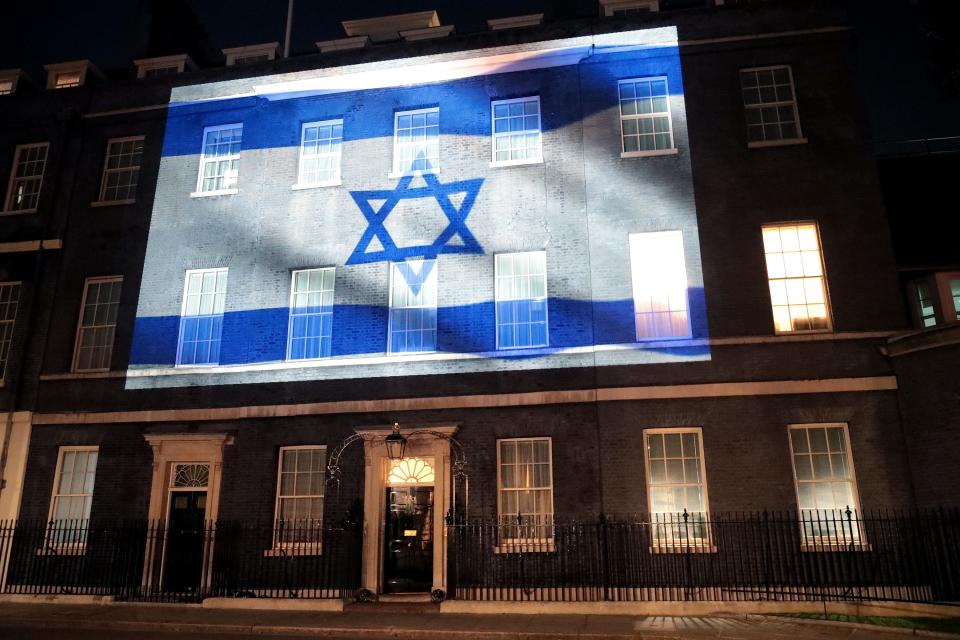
[
  {"x": 185, "y": 541},
  {"x": 408, "y": 553}
]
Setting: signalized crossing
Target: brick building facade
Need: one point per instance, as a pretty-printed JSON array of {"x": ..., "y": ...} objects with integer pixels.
[{"x": 587, "y": 371}]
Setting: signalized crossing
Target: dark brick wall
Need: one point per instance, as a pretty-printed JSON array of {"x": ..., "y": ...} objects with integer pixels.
[
  {"x": 594, "y": 469},
  {"x": 930, "y": 409}
]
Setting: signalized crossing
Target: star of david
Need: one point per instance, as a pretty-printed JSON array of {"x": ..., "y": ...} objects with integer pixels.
[{"x": 457, "y": 217}]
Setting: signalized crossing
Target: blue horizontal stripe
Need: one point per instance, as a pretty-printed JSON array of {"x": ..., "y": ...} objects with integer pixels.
[
  {"x": 260, "y": 335},
  {"x": 464, "y": 104}
]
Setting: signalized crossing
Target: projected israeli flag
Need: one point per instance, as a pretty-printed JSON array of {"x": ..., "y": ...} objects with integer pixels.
[{"x": 512, "y": 208}]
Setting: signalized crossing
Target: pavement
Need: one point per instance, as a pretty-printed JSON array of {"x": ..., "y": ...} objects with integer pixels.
[{"x": 374, "y": 621}]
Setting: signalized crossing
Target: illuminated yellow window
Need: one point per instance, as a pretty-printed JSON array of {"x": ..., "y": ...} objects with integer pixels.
[{"x": 798, "y": 288}]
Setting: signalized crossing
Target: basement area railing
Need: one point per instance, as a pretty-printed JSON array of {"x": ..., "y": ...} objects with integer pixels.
[
  {"x": 154, "y": 561},
  {"x": 745, "y": 556},
  {"x": 835, "y": 555}
]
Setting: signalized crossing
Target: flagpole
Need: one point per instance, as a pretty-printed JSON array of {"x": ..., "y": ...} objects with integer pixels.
[{"x": 286, "y": 38}]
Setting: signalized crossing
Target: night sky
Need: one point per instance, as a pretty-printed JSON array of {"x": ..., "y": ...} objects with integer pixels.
[{"x": 902, "y": 56}]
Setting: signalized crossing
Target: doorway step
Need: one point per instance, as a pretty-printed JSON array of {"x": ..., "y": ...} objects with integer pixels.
[{"x": 402, "y": 603}]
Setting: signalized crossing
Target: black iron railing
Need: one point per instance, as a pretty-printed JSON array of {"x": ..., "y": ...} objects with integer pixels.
[
  {"x": 828, "y": 555},
  {"x": 153, "y": 562},
  {"x": 825, "y": 555}
]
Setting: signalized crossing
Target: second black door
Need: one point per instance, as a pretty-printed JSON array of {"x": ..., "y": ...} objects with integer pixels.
[{"x": 408, "y": 540}]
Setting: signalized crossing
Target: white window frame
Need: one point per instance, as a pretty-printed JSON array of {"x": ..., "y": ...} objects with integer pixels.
[
  {"x": 11, "y": 76},
  {"x": 298, "y": 548},
  {"x": 917, "y": 289},
  {"x": 293, "y": 280},
  {"x": 494, "y": 135},
  {"x": 610, "y": 7},
  {"x": 20, "y": 148},
  {"x": 823, "y": 277},
  {"x": 526, "y": 545},
  {"x": 80, "y": 327},
  {"x": 70, "y": 548},
  {"x": 179, "y": 62},
  {"x": 200, "y": 193},
  {"x": 497, "y": 300},
  {"x": 658, "y": 542},
  {"x": 80, "y": 67},
  {"x": 948, "y": 305},
  {"x": 101, "y": 201},
  {"x": 239, "y": 55},
  {"x": 183, "y": 310},
  {"x": 779, "y": 142},
  {"x": 397, "y": 171},
  {"x": 7, "y": 328},
  {"x": 435, "y": 274},
  {"x": 333, "y": 182},
  {"x": 634, "y": 272},
  {"x": 672, "y": 150},
  {"x": 827, "y": 543}
]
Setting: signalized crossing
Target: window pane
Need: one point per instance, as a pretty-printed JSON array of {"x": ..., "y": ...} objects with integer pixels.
[
  {"x": 675, "y": 483},
  {"x": 795, "y": 273},
  {"x": 413, "y": 306},
  {"x": 769, "y": 104},
  {"x": 521, "y": 292},
  {"x": 644, "y": 115},
  {"x": 825, "y": 484},
  {"x": 659, "y": 285},
  {"x": 525, "y": 481}
]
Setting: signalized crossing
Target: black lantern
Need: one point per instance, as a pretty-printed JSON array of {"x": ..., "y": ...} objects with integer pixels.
[{"x": 395, "y": 443}]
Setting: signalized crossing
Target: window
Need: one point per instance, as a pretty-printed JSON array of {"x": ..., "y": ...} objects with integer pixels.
[
  {"x": 525, "y": 489},
  {"x": 521, "y": 299},
  {"x": 516, "y": 131},
  {"x": 72, "y": 495},
  {"x": 628, "y": 8},
  {"x": 826, "y": 489},
  {"x": 798, "y": 289},
  {"x": 64, "y": 75},
  {"x": 320, "y": 148},
  {"x": 300, "y": 489},
  {"x": 201, "y": 319},
  {"x": 98, "y": 321},
  {"x": 220, "y": 159},
  {"x": 260, "y": 57},
  {"x": 659, "y": 285},
  {"x": 9, "y": 300},
  {"x": 416, "y": 141},
  {"x": 645, "y": 125},
  {"x": 67, "y": 79},
  {"x": 311, "y": 314},
  {"x": 121, "y": 169},
  {"x": 9, "y": 79},
  {"x": 925, "y": 305},
  {"x": 770, "y": 105},
  {"x": 163, "y": 66},
  {"x": 26, "y": 177},
  {"x": 159, "y": 72},
  {"x": 955, "y": 294},
  {"x": 676, "y": 487},
  {"x": 251, "y": 54},
  {"x": 413, "y": 306}
]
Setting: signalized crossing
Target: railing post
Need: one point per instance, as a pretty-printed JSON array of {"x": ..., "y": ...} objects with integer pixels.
[
  {"x": 767, "y": 553},
  {"x": 604, "y": 557},
  {"x": 687, "y": 558}
]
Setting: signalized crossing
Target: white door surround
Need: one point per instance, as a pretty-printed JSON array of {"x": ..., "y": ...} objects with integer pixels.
[
  {"x": 170, "y": 449},
  {"x": 434, "y": 444}
]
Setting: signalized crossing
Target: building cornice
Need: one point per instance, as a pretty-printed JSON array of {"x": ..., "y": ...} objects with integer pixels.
[{"x": 483, "y": 401}]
